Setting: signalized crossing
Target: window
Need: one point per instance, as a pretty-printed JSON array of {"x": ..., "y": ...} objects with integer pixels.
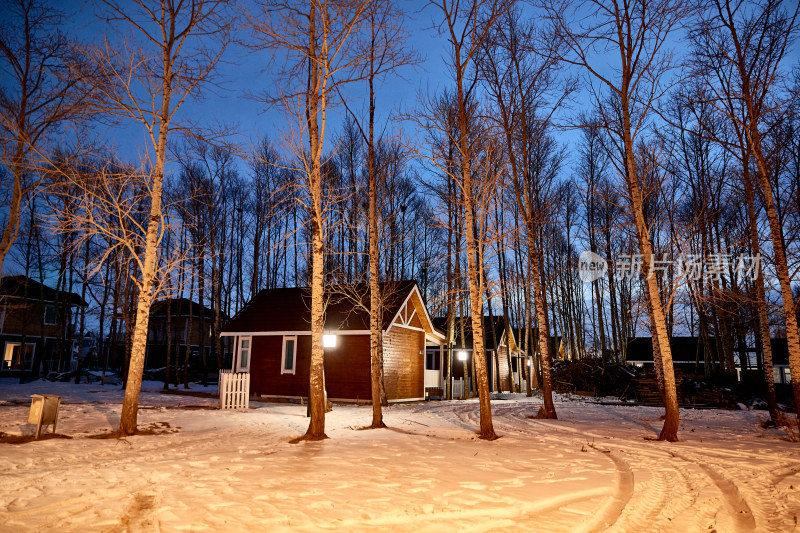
[
  {"x": 432, "y": 360},
  {"x": 244, "y": 354},
  {"x": 50, "y": 315},
  {"x": 289, "y": 356},
  {"x": 12, "y": 359}
]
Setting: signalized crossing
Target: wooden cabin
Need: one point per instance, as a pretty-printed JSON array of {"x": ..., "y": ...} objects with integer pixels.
[
  {"x": 37, "y": 327},
  {"x": 501, "y": 351},
  {"x": 272, "y": 339}
]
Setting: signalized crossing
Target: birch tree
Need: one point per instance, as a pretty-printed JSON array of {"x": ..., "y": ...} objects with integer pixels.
[
  {"x": 384, "y": 43},
  {"x": 634, "y": 34},
  {"x": 315, "y": 40},
  {"x": 742, "y": 49},
  {"x": 467, "y": 25},
  {"x": 518, "y": 68},
  {"x": 162, "y": 56}
]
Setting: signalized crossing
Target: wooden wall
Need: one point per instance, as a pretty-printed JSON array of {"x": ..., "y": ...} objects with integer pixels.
[
  {"x": 403, "y": 364},
  {"x": 346, "y": 367},
  {"x": 18, "y": 320},
  {"x": 505, "y": 377}
]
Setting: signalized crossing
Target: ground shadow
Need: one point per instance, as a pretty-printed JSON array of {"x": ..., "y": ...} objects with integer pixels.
[{"x": 5, "y": 438}]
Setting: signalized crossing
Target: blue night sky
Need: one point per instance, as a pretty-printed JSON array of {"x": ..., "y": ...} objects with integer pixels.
[{"x": 246, "y": 73}]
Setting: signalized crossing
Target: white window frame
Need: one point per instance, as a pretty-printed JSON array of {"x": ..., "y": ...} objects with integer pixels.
[
  {"x": 284, "y": 370},
  {"x": 239, "y": 366}
]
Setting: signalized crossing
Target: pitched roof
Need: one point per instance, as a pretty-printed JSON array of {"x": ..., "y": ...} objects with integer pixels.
[
  {"x": 684, "y": 349},
  {"x": 499, "y": 329},
  {"x": 181, "y": 307},
  {"x": 289, "y": 309},
  {"x": 24, "y": 287}
]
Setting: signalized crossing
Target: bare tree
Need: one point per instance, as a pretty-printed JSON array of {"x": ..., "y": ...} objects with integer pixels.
[
  {"x": 518, "y": 68},
  {"x": 146, "y": 80},
  {"x": 635, "y": 33},
  {"x": 742, "y": 50},
  {"x": 316, "y": 41},
  {"x": 384, "y": 43},
  {"x": 467, "y": 25},
  {"x": 38, "y": 95}
]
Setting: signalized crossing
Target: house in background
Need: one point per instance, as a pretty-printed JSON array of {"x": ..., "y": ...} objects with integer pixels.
[
  {"x": 499, "y": 349},
  {"x": 688, "y": 355},
  {"x": 530, "y": 336},
  {"x": 273, "y": 343},
  {"x": 41, "y": 318},
  {"x": 191, "y": 326}
]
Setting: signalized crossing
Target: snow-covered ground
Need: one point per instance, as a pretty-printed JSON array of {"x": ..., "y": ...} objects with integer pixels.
[{"x": 208, "y": 470}]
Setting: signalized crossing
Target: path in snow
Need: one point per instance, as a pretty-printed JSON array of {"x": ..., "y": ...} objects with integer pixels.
[{"x": 592, "y": 470}]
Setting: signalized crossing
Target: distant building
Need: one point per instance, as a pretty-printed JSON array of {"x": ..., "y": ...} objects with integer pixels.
[
  {"x": 688, "y": 355},
  {"x": 499, "y": 350},
  {"x": 36, "y": 326},
  {"x": 191, "y": 325}
]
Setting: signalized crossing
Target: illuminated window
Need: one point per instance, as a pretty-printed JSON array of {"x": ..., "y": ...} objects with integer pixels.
[{"x": 13, "y": 359}]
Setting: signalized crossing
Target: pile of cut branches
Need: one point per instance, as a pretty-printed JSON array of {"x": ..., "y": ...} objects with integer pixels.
[{"x": 593, "y": 376}]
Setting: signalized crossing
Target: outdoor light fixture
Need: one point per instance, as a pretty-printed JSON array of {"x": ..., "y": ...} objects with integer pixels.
[
  {"x": 462, "y": 356},
  {"x": 329, "y": 341}
]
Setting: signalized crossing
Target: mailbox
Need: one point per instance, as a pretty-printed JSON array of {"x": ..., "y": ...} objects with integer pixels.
[{"x": 44, "y": 411}]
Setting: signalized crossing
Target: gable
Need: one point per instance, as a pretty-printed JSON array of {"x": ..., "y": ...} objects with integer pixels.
[
  {"x": 288, "y": 310},
  {"x": 413, "y": 314}
]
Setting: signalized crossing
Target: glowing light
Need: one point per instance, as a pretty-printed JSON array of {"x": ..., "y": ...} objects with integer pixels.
[
  {"x": 462, "y": 356},
  {"x": 329, "y": 341}
]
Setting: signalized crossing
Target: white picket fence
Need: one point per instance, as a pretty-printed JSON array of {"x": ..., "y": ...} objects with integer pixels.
[
  {"x": 458, "y": 388},
  {"x": 234, "y": 390}
]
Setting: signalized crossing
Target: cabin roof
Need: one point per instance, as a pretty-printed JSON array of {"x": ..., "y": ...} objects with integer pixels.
[
  {"x": 684, "y": 349},
  {"x": 180, "y": 307},
  {"x": 499, "y": 329},
  {"x": 289, "y": 309},
  {"x": 27, "y": 288}
]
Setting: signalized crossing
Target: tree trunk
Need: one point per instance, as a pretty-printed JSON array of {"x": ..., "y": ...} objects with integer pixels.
[
  {"x": 672, "y": 419},
  {"x": 375, "y": 314},
  {"x": 541, "y": 319},
  {"x": 315, "y": 104},
  {"x": 130, "y": 404},
  {"x": 775, "y": 414}
]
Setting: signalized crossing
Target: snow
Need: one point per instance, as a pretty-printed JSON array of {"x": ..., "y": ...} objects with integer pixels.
[{"x": 596, "y": 468}]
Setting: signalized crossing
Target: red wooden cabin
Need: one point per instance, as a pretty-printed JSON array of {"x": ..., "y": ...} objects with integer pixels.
[{"x": 273, "y": 343}]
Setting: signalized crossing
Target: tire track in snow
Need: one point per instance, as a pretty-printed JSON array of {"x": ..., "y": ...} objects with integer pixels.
[
  {"x": 655, "y": 503},
  {"x": 736, "y": 505},
  {"x": 758, "y": 487},
  {"x": 651, "y": 500},
  {"x": 610, "y": 512},
  {"x": 782, "y": 473}
]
